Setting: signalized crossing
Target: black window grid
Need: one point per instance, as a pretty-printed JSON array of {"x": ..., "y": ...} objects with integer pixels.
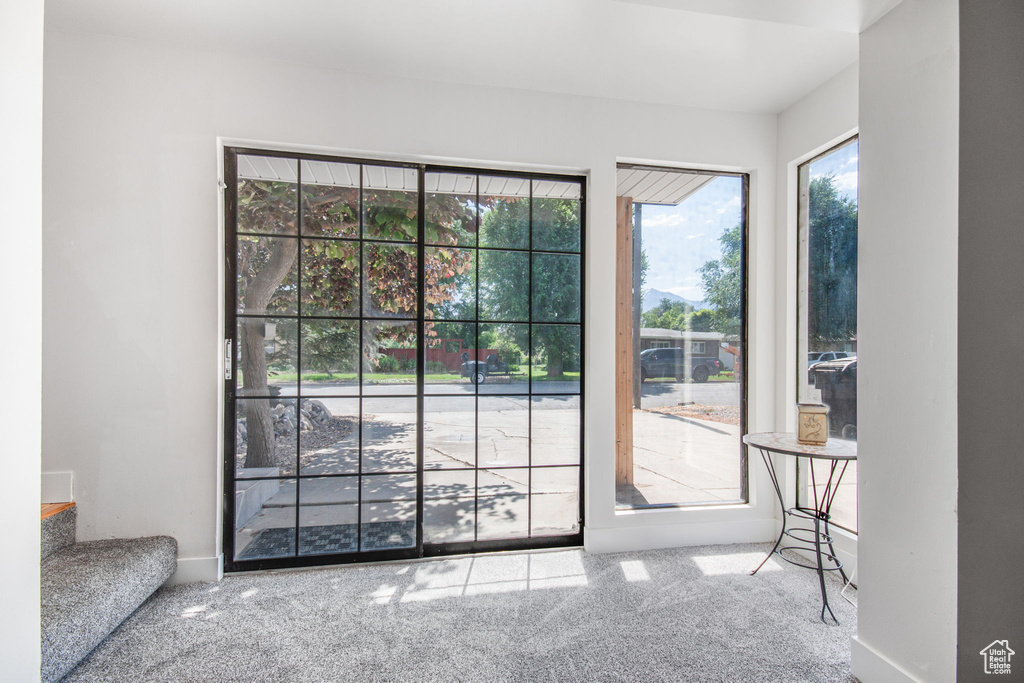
[{"x": 422, "y": 548}]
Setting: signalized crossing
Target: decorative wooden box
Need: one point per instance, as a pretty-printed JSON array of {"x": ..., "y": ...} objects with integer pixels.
[{"x": 812, "y": 423}]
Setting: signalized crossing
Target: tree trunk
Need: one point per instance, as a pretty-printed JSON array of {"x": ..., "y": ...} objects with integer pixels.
[
  {"x": 259, "y": 424},
  {"x": 555, "y": 361}
]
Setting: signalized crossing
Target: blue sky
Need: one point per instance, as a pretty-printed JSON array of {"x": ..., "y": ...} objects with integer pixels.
[
  {"x": 843, "y": 165},
  {"x": 680, "y": 239}
]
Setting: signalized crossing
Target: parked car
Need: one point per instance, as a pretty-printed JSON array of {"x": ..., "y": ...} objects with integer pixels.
[
  {"x": 822, "y": 356},
  {"x": 672, "y": 362},
  {"x": 815, "y": 357},
  {"x": 837, "y": 380}
]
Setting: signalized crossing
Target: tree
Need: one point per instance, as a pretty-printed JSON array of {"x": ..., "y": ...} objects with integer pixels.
[
  {"x": 679, "y": 315},
  {"x": 263, "y": 266},
  {"x": 330, "y": 346},
  {"x": 668, "y": 315},
  {"x": 832, "y": 269},
  {"x": 268, "y": 277},
  {"x": 556, "y": 281},
  {"x": 832, "y": 264},
  {"x": 722, "y": 282},
  {"x": 702, "y": 320}
]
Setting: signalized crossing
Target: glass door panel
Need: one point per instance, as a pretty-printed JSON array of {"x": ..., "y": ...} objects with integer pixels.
[
  {"x": 407, "y": 360},
  {"x": 827, "y": 311},
  {"x": 680, "y": 383}
]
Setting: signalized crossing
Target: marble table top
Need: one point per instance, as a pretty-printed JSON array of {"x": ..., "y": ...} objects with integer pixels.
[{"x": 785, "y": 442}]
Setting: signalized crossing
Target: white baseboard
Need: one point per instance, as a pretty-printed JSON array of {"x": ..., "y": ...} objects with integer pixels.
[
  {"x": 56, "y": 487},
  {"x": 678, "y": 535},
  {"x": 198, "y": 570},
  {"x": 868, "y": 666}
]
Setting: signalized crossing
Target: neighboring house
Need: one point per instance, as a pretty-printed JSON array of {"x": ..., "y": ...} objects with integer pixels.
[{"x": 698, "y": 343}]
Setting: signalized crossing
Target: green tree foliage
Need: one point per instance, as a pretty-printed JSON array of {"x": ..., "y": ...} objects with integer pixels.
[
  {"x": 556, "y": 224},
  {"x": 722, "y": 282},
  {"x": 556, "y": 278},
  {"x": 832, "y": 269},
  {"x": 702, "y": 320},
  {"x": 679, "y": 315},
  {"x": 331, "y": 282},
  {"x": 330, "y": 346},
  {"x": 464, "y": 332},
  {"x": 832, "y": 264},
  {"x": 668, "y": 315},
  {"x": 508, "y": 350},
  {"x": 511, "y": 342}
]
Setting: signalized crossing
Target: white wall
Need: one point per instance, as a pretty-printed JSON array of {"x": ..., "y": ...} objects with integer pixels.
[
  {"x": 823, "y": 118},
  {"x": 908, "y": 291},
  {"x": 131, "y": 279},
  {"x": 21, "y": 117}
]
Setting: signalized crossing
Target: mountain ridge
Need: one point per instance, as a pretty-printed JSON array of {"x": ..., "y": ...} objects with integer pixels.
[{"x": 652, "y": 297}]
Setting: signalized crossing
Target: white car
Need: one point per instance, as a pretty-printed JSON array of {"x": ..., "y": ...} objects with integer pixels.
[{"x": 822, "y": 356}]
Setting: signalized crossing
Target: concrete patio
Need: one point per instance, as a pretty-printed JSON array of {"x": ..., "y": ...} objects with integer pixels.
[
  {"x": 677, "y": 460},
  {"x": 504, "y": 498},
  {"x": 682, "y": 460}
]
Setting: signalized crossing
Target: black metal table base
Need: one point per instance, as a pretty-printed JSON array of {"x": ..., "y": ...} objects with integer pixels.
[{"x": 812, "y": 539}]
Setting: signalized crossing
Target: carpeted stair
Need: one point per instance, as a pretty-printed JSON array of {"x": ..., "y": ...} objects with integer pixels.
[{"x": 88, "y": 589}]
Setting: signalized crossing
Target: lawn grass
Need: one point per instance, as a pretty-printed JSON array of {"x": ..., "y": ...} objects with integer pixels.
[{"x": 539, "y": 375}]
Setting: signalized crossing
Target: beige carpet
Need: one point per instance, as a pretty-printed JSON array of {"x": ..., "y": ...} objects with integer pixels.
[{"x": 691, "y": 614}]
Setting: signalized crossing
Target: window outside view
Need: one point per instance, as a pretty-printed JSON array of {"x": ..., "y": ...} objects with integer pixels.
[
  {"x": 827, "y": 310},
  {"x": 688, "y": 330},
  {"x": 366, "y": 409}
]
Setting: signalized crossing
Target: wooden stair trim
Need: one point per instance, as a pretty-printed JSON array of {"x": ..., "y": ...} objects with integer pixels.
[{"x": 50, "y": 509}]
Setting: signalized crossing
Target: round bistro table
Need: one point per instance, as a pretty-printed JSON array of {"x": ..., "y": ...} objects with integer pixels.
[{"x": 838, "y": 453}]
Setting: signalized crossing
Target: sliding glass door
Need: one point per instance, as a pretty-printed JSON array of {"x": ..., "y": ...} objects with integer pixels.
[{"x": 404, "y": 352}]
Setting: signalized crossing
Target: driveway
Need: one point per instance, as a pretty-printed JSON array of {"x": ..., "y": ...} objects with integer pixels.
[{"x": 670, "y": 393}]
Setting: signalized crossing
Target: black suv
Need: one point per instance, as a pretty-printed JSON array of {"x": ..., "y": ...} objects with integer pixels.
[
  {"x": 672, "y": 362},
  {"x": 837, "y": 380}
]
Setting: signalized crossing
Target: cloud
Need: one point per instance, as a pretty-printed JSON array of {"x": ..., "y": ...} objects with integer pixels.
[
  {"x": 670, "y": 220},
  {"x": 729, "y": 205},
  {"x": 693, "y": 237},
  {"x": 847, "y": 182}
]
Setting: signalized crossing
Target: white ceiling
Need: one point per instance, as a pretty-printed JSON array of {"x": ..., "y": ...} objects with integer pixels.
[
  {"x": 652, "y": 186},
  {"x": 740, "y": 55}
]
